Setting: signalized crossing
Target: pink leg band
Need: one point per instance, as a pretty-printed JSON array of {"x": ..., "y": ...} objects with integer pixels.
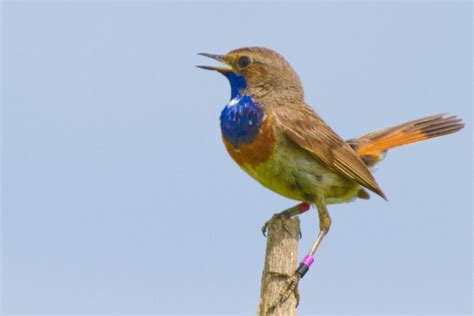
[
  {"x": 304, "y": 265},
  {"x": 308, "y": 260}
]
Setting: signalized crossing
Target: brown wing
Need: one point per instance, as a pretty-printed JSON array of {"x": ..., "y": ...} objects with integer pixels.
[{"x": 303, "y": 126}]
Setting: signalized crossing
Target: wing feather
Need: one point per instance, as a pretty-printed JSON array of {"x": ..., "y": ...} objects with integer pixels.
[{"x": 304, "y": 127}]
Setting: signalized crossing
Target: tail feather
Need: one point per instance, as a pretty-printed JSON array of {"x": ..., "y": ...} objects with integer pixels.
[{"x": 372, "y": 147}]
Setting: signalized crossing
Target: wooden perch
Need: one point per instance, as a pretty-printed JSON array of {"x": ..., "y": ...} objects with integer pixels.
[{"x": 280, "y": 261}]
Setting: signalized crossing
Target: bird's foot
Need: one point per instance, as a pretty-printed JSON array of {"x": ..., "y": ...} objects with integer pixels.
[
  {"x": 282, "y": 215},
  {"x": 290, "y": 288},
  {"x": 286, "y": 214},
  {"x": 291, "y": 282}
]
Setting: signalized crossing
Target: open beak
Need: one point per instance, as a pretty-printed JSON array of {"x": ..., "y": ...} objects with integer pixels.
[{"x": 220, "y": 58}]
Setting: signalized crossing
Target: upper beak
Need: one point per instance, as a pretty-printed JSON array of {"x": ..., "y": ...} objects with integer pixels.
[{"x": 220, "y": 58}]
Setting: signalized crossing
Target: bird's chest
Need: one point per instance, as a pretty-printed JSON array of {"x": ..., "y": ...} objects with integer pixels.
[{"x": 247, "y": 132}]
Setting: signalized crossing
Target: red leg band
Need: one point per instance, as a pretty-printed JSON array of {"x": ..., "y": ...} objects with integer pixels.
[{"x": 304, "y": 207}]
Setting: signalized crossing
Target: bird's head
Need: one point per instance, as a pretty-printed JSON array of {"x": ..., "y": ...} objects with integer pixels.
[{"x": 257, "y": 71}]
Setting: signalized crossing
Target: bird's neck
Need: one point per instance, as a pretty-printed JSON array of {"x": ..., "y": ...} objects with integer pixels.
[
  {"x": 241, "y": 118},
  {"x": 238, "y": 84}
]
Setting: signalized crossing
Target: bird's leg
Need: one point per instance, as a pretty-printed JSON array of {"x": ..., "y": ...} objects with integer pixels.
[
  {"x": 292, "y": 282},
  {"x": 288, "y": 213}
]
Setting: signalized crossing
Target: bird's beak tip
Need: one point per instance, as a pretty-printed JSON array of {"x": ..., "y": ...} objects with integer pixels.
[
  {"x": 205, "y": 67},
  {"x": 213, "y": 56},
  {"x": 218, "y": 58}
]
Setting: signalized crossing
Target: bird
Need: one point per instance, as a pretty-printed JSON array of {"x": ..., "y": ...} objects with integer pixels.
[{"x": 279, "y": 140}]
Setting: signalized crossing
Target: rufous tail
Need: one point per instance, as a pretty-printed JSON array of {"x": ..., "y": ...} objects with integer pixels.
[{"x": 371, "y": 147}]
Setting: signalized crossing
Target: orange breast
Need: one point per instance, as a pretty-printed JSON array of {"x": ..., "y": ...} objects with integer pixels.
[{"x": 258, "y": 151}]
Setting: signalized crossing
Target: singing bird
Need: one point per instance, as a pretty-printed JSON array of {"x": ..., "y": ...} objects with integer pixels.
[{"x": 280, "y": 141}]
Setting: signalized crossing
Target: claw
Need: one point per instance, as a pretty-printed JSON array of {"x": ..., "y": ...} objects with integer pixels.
[
  {"x": 291, "y": 287},
  {"x": 282, "y": 215},
  {"x": 286, "y": 214}
]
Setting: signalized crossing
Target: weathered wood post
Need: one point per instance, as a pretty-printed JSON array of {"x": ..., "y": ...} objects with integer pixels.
[{"x": 281, "y": 253}]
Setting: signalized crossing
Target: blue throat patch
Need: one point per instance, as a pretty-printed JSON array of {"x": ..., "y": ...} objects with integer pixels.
[{"x": 241, "y": 118}]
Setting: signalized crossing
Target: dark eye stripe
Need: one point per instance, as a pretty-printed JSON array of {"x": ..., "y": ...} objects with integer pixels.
[{"x": 243, "y": 62}]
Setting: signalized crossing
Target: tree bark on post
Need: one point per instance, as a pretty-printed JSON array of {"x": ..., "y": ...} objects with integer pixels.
[{"x": 280, "y": 260}]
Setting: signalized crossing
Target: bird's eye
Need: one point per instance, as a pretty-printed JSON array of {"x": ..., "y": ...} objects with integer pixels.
[{"x": 243, "y": 62}]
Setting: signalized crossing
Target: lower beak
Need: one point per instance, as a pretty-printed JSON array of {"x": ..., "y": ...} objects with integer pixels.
[{"x": 220, "y": 58}]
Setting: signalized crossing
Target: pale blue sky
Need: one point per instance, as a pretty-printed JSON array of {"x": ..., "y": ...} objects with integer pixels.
[{"x": 118, "y": 195}]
